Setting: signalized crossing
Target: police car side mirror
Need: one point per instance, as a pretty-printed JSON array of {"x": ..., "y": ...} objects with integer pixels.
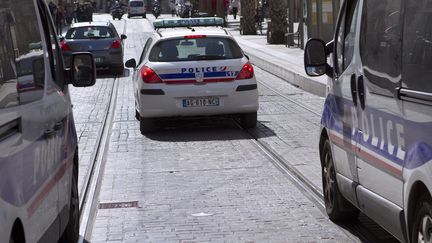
[
  {"x": 123, "y": 37},
  {"x": 315, "y": 58},
  {"x": 247, "y": 57},
  {"x": 83, "y": 69},
  {"x": 131, "y": 63}
]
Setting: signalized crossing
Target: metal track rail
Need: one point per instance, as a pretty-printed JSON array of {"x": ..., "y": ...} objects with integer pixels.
[{"x": 90, "y": 189}]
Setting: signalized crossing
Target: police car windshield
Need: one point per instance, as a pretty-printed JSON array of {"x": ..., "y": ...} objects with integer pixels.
[
  {"x": 195, "y": 49},
  {"x": 92, "y": 32}
]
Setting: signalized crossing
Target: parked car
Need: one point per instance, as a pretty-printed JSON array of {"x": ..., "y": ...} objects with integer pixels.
[
  {"x": 376, "y": 137},
  {"x": 99, "y": 38},
  {"x": 38, "y": 142}
]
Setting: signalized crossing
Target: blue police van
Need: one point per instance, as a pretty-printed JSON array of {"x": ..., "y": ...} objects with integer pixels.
[
  {"x": 38, "y": 142},
  {"x": 376, "y": 137}
]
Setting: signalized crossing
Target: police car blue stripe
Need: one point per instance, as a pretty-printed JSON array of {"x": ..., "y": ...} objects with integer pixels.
[{"x": 192, "y": 75}]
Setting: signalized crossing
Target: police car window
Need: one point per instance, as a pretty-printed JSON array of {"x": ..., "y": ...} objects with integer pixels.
[
  {"x": 195, "y": 49},
  {"x": 380, "y": 45},
  {"x": 417, "y": 47},
  {"x": 22, "y": 72},
  {"x": 91, "y": 32},
  {"x": 146, "y": 48}
]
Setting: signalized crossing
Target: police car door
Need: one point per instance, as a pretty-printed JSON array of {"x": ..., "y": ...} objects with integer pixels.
[
  {"x": 344, "y": 131},
  {"x": 380, "y": 145}
]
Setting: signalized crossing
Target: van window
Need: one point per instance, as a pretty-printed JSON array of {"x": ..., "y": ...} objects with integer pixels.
[
  {"x": 195, "y": 49},
  {"x": 345, "y": 36},
  {"x": 136, "y": 4},
  {"x": 22, "y": 69},
  {"x": 380, "y": 45},
  {"x": 417, "y": 47}
]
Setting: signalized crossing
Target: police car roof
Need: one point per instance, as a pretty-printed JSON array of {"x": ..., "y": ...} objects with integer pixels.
[
  {"x": 183, "y": 31},
  {"x": 86, "y": 24}
]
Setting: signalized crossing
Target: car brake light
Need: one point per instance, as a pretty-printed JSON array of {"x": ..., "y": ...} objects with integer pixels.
[
  {"x": 149, "y": 76},
  {"x": 65, "y": 46},
  {"x": 194, "y": 36},
  {"x": 247, "y": 72},
  {"x": 116, "y": 44}
]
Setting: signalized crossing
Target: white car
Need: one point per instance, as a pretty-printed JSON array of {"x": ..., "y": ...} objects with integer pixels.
[{"x": 193, "y": 71}]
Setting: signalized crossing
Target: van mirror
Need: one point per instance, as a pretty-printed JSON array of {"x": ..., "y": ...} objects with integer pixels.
[
  {"x": 123, "y": 37},
  {"x": 83, "y": 70},
  {"x": 315, "y": 58}
]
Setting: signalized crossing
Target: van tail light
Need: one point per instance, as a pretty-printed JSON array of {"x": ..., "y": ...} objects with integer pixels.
[
  {"x": 247, "y": 72},
  {"x": 65, "y": 46},
  {"x": 149, "y": 76},
  {"x": 116, "y": 44}
]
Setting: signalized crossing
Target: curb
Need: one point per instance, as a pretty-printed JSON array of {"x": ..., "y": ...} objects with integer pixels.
[{"x": 292, "y": 77}]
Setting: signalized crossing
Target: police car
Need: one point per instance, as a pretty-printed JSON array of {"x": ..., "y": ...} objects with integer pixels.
[
  {"x": 376, "y": 138},
  {"x": 193, "y": 67},
  {"x": 38, "y": 142}
]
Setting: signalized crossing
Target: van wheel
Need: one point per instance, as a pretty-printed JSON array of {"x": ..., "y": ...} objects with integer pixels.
[
  {"x": 128, "y": 16},
  {"x": 144, "y": 16},
  {"x": 248, "y": 120},
  {"x": 71, "y": 232},
  {"x": 337, "y": 207},
  {"x": 147, "y": 125},
  {"x": 422, "y": 228}
]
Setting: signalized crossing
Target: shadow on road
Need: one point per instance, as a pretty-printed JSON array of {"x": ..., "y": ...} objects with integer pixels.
[{"x": 203, "y": 129}]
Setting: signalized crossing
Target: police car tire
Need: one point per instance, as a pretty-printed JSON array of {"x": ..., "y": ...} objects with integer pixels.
[
  {"x": 71, "y": 232},
  {"x": 137, "y": 115},
  {"x": 144, "y": 16},
  {"x": 337, "y": 207},
  {"x": 424, "y": 212},
  {"x": 147, "y": 125},
  {"x": 129, "y": 16},
  {"x": 248, "y": 120}
]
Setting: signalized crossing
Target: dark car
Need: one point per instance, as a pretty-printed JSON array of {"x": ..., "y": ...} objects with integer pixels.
[{"x": 99, "y": 38}]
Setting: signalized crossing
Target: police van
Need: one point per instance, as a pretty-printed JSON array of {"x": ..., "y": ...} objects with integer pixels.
[
  {"x": 38, "y": 142},
  {"x": 376, "y": 138},
  {"x": 192, "y": 68}
]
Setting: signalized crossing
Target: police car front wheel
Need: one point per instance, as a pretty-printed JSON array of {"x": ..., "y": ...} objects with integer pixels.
[{"x": 337, "y": 207}]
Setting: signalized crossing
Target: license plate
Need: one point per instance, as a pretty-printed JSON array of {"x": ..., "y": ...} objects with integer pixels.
[
  {"x": 98, "y": 59},
  {"x": 200, "y": 102}
]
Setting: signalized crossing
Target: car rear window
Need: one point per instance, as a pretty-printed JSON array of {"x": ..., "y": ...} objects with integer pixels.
[
  {"x": 197, "y": 48},
  {"x": 136, "y": 4},
  {"x": 90, "y": 32}
]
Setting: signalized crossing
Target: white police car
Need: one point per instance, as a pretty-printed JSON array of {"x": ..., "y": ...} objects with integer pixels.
[
  {"x": 38, "y": 142},
  {"x": 376, "y": 138},
  {"x": 195, "y": 68}
]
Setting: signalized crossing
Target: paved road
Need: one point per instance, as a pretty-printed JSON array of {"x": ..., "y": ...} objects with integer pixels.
[{"x": 203, "y": 180}]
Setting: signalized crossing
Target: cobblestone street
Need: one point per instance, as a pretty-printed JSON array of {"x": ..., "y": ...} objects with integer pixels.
[{"x": 202, "y": 180}]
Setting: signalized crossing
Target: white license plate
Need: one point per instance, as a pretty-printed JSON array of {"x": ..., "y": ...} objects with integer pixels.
[
  {"x": 200, "y": 102},
  {"x": 98, "y": 59}
]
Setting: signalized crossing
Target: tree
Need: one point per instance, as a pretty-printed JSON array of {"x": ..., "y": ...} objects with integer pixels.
[
  {"x": 278, "y": 25},
  {"x": 247, "y": 21}
]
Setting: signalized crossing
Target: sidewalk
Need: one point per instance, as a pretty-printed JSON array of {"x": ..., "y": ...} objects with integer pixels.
[{"x": 286, "y": 63}]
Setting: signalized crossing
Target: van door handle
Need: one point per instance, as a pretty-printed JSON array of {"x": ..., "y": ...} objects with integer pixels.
[
  {"x": 354, "y": 89},
  {"x": 361, "y": 92}
]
